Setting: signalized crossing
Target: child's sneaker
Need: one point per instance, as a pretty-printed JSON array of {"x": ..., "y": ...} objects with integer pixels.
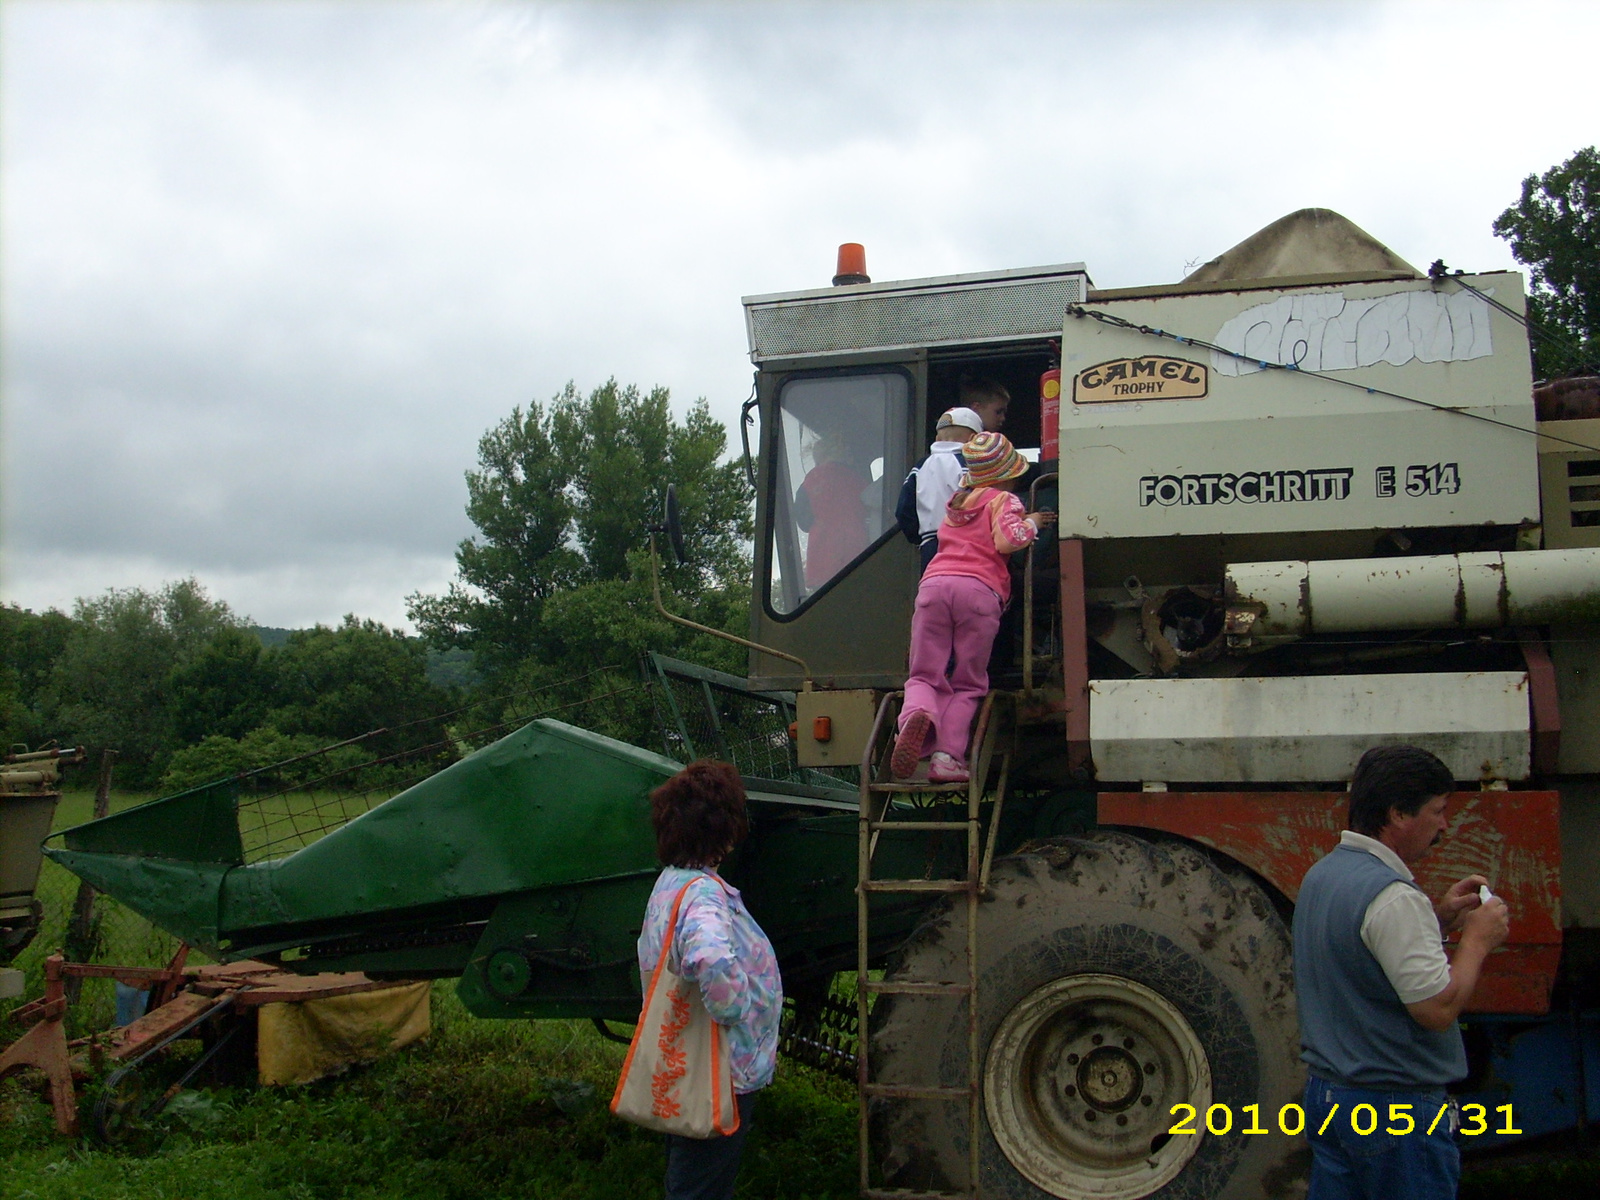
[
  {"x": 945, "y": 769},
  {"x": 908, "y": 745}
]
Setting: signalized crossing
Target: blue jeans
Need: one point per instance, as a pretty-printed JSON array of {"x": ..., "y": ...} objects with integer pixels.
[
  {"x": 705, "y": 1168},
  {"x": 1349, "y": 1165}
]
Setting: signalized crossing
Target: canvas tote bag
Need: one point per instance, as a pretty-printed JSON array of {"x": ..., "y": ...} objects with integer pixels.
[{"x": 678, "y": 1076}]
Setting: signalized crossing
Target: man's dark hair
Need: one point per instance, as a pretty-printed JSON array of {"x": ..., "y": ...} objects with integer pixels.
[
  {"x": 1402, "y": 777},
  {"x": 699, "y": 814},
  {"x": 979, "y": 389}
]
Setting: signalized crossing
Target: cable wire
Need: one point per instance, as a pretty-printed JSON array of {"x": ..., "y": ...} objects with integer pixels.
[{"x": 1438, "y": 271}]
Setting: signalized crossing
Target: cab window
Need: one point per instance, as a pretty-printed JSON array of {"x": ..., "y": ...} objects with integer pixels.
[{"x": 839, "y": 462}]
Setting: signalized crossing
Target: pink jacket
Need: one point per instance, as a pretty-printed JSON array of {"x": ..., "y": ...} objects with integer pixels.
[{"x": 981, "y": 530}]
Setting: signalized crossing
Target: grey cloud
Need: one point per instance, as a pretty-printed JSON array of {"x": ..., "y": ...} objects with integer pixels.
[{"x": 270, "y": 270}]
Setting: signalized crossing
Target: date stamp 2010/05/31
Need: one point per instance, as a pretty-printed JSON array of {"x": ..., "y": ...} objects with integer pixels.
[{"x": 1364, "y": 1120}]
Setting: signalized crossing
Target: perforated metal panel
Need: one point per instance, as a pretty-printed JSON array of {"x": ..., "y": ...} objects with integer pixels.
[{"x": 942, "y": 314}]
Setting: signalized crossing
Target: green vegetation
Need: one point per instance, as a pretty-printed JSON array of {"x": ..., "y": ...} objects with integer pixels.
[
  {"x": 175, "y": 681},
  {"x": 1555, "y": 230},
  {"x": 482, "y": 1109}
]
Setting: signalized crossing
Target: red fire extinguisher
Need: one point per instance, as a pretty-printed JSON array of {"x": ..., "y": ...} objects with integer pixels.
[{"x": 1050, "y": 415}]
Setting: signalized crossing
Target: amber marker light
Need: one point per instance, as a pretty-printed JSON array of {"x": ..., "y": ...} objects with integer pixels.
[{"x": 852, "y": 265}]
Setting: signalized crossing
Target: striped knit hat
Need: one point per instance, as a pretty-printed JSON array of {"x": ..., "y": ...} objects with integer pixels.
[{"x": 990, "y": 459}]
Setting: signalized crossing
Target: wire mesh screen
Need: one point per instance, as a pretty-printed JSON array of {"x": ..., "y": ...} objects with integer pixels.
[
  {"x": 279, "y": 815},
  {"x": 706, "y": 714},
  {"x": 286, "y": 807}
]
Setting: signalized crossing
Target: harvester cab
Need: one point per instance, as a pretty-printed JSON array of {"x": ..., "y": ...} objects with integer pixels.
[{"x": 1217, "y": 446}]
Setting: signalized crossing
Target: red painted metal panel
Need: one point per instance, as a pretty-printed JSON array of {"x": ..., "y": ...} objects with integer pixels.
[{"x": 1511, "y": 837}]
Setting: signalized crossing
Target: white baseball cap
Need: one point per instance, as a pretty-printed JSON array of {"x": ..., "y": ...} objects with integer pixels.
[{"x": 965, "y": 418}]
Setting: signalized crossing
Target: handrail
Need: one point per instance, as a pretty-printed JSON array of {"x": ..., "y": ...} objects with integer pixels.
[
  {"x": 1027, "y": 593},
  {"x": 655, "y": 588}
]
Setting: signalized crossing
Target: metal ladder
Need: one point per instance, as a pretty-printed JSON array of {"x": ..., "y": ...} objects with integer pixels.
[{"x": 878, "y": 793}]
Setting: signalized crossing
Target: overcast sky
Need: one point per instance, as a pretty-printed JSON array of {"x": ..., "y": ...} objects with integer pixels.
[{"x": 267, "y": 272}]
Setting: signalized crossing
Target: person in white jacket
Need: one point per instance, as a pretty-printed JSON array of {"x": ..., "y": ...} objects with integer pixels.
[{"x": 931, "y": 483}]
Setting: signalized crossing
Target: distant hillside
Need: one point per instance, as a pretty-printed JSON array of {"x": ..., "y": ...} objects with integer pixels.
[
  {"x": 271, "y": 638},
  {"x": 454, "y": 667}
]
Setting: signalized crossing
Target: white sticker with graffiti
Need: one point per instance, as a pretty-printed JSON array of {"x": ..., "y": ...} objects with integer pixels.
[{"x": 1327, "y": 332}]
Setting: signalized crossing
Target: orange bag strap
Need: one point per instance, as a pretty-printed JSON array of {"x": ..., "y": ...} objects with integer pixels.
[{"x": 666, "y": 947}]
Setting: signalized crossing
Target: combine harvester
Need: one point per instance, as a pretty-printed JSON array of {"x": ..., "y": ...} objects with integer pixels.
[{"x": 1308, "y": 505}]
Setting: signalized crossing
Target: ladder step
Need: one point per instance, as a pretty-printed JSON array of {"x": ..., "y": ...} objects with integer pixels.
[
  {"x": 926, "y": 826},
  {"x": 917, "y": 787},
  {"x": 912, "y": 1194},
  {"x": 912, "y": 1091},
  {"x": 916, "y": 885},
  {"x": 907, "y": 987}
]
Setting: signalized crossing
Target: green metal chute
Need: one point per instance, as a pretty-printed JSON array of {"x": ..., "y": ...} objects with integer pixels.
[
  {"x": 522, "y": 870},
  {"x": 509, "y": 818}
]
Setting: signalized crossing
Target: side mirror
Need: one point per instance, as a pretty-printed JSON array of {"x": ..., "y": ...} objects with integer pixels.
[{"x": 673, "y": 526}]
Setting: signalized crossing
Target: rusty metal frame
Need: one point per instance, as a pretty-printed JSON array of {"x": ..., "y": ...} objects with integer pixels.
[
  {"x": 876, "y": 797},
  {"x": 1513, "y": 837},
  {"x": 45, "y": 1046}
]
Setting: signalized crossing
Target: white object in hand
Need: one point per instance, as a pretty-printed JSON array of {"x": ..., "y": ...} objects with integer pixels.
[{"x": 1484, "y": 894}]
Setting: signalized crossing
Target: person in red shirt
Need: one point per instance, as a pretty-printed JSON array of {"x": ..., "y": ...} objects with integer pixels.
[{"x": 831, "y": 508}]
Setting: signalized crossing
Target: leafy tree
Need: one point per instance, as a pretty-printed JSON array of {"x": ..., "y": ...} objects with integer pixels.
[
  {"x": 216, "y": 757},
  {"x": 1555, "y": 230},
  {"x": 553, "y": 595},
  {"x": 224, "y": 690},
  {"x": 30, "y": 644},
  {"x": 112, "y": 684},
  {"x": 340, "y": 683},
  {"x": 562, "y": 499}
]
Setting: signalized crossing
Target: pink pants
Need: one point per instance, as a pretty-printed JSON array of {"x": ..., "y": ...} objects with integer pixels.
[{"x": 955, "y": 614}]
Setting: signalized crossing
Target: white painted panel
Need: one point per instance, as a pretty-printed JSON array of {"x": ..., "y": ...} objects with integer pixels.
[
  {"x": 1306, "y": 728},
  {"x": 1281, "y": 451}
]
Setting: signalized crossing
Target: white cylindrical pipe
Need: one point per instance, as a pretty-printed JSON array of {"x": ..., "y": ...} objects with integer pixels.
[{"x": 1485, "y": 590}]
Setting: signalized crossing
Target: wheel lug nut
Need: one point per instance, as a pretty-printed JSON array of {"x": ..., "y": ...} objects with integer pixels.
[
  {"x": 1072, "y": 1059},
  {"x": 1089, "y": 1115},
  {"x": 1122, "y": 1120},
  {"x": 1145, "y": 1100},
  {"x": 1097, "y": 1039},
  {"x": 1127, "y": 1043},
  {"x": 1070, "y": 1090},
  {"x": 1149, "y": 1068}
]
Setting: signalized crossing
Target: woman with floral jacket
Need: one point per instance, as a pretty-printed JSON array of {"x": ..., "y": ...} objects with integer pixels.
[{"x": 699, "y": 817}]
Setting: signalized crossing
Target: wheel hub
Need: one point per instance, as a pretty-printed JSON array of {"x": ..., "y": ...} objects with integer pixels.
[
  {"x": 1079, "y": 1085},
  {"x": 1109, "y": 1078}
]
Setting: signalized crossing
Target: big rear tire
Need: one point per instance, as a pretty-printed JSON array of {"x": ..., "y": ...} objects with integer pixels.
[{"x": 1117, "y": 977}]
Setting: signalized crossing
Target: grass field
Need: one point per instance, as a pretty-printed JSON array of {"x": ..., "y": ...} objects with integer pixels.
[
  {"x": 484, "y": 1109},
  {"x": 480, "y": 1110}
]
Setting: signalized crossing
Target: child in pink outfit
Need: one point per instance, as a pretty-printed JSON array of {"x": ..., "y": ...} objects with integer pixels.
[{"x": 959, "y": 602}]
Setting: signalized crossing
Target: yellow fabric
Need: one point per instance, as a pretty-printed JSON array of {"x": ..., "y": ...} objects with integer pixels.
[{"x": 303, "y": 1041}]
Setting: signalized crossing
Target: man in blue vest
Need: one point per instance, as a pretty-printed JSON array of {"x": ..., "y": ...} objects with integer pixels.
[{"x": 1378, "y": 998}]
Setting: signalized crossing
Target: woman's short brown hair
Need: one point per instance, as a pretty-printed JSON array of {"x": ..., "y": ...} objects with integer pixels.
[{"x": 699, "y": 814}]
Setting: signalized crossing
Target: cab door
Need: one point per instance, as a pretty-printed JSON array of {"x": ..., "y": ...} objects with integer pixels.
[{"x": 835, "y": 579}]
